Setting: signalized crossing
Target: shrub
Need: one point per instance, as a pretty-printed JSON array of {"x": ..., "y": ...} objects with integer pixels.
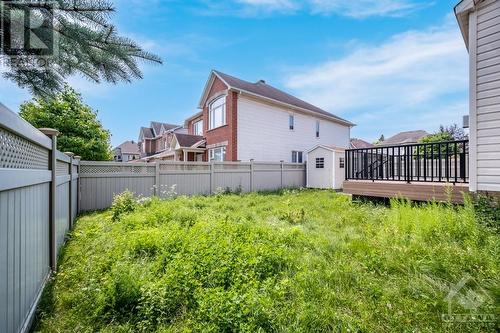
[
  {"x": 123, "y": 203},
  {"x": 488, "y": 210}
]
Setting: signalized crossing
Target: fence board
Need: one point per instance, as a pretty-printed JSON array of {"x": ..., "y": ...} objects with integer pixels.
[{"x": 99, "y": 181}]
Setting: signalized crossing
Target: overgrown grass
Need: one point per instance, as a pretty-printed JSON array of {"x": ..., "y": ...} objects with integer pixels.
[{"x": 299, "y": 261}]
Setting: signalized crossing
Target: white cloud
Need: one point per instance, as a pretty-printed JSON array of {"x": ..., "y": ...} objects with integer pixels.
[
  {"x": 414, "y": 77},
  {"x": 354, "y": 8}
]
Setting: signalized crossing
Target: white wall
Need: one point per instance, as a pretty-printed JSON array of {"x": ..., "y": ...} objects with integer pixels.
[
  {"x": 484, "y": 48},
  {"x": 264, "y": 135},
  {"x": 320, "y": 178}
]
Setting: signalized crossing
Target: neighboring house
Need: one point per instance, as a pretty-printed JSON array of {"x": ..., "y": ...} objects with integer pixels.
[
  {"x": 404, "y": 138},
  {"x": 359, "y": 144},
  {"x": 479, "y": 22},
  {"x": 157, "y": 138},
  {"x": 127, "y": 151},
  {"x": 241, "y": 121}
]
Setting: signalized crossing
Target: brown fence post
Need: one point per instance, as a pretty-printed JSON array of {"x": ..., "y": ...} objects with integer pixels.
[
  {"x": 52, "y": 134},
  {"x": 70, "y": 193}
]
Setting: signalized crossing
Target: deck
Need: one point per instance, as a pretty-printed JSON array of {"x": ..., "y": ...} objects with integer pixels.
[
  {"x": 422, "y": 172},
  {"x": 418, "y": 191}
]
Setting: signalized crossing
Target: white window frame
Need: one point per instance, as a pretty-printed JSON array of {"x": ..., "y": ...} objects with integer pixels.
[
  {"x": 291, "y": 122},
  {"x": 341, "y": 162},
  {"x": 297, "y": 156},
  {"x": 198, "y": 127},
  {"x": 320, "y": 163},
  {"x": 220, "y": 158},
  {"x": 217, "y": 106}
]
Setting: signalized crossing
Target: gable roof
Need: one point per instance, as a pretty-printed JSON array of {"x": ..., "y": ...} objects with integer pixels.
[
  {"x": 146, "y": 133},
  {"x": 129, "y": 147},
  {"x": 404, "y": 138},
  {"x": 188, "y": 140},
  {"x": 156, "y": 126},
  {"x": 263, "y": 90},
  {"x": 360, "y": 144}
]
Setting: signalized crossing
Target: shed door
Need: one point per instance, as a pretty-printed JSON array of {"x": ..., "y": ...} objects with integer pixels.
[{"x": 321, "y": 172}]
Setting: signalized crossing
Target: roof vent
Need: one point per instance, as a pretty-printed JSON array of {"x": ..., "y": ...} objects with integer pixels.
[{"x": 261, "y": 82}]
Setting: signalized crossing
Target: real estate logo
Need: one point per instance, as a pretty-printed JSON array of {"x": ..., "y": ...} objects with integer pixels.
[
  {"x": 27, "y": 33},
  {"x": 467, "y": 302}
]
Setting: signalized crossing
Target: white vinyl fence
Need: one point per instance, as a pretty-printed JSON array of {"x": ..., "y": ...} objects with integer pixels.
[
  {"x": 100, "y": 181},
  {"x": 38, "y": 202}
]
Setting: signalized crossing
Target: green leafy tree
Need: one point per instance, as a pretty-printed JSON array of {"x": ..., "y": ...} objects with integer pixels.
[
  {"x": 88, "y": 45},
  {"x": 450, "y": 133},
  {"x": 80, "y": 130}
]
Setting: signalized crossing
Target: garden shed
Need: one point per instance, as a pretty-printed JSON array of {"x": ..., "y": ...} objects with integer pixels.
[{"x": 325, "y": 167}]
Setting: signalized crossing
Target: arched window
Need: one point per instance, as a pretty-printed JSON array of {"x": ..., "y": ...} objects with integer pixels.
[{"x": 217, "y": 113}]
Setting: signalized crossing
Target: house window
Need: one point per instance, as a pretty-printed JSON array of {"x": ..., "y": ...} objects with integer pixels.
[
  {"x": 317, "y": 128},
  {"x": 217, "y": 113},
  {"x": 217, "y": 154},
  {"x": 198, "y": 127},
  {"x": 291, "y": 122},
  {"x": 297, "y": 157},
  {"x": 320, "y": 163},
  {"x": 341, "y": 162}
]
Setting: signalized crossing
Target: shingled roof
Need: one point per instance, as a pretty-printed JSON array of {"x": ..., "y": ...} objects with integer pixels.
[
  {"x": 129, "y": 147},
  {"x": 147, "y": 132},
  {"x": 261, "y": 88},
  {"x": 360, "y": 144},
  {"x": 156, "y": 126},
  {"x": 404, "y": 138},
  {"x": 188, "y": 140}
]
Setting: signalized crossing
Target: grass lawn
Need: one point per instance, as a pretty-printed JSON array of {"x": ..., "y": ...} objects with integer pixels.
[{"x": 297, "y": 261}]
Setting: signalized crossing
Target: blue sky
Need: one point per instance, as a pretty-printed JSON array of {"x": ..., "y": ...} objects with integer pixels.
[{"x": 387, "y": 65}]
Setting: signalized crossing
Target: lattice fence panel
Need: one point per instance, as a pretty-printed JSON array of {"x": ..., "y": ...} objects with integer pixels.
[
  {"x": 114, "y": 169},
  {"x": 19, "y": 153}
]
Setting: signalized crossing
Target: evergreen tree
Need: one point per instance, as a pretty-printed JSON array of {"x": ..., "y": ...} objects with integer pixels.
[
  {"x": 79, "y": 129},
  {"x": 88, "y": 45}
]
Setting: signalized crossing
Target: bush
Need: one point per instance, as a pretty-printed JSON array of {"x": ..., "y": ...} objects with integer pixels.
[
  {"x": 297, "y": 261},
  {"x": 123, "y": 203},
  {"x": 488, "y": 210}
]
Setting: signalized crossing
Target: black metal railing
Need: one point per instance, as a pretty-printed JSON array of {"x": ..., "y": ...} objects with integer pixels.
[{"x": 424, "y": 162}]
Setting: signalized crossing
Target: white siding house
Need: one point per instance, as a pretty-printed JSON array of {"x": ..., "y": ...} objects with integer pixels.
[
  {"x": 480, "y": 24},
  {"x": 264, "y": 132}
]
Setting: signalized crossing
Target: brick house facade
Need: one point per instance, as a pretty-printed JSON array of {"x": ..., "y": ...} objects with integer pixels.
[{"x": 255, "y": 122}]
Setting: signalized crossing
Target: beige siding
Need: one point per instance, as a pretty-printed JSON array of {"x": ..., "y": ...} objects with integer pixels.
[{"x": 486, "y": 92}]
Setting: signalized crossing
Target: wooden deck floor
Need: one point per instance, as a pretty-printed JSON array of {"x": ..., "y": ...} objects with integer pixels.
[{"x": 418, "y": 191}]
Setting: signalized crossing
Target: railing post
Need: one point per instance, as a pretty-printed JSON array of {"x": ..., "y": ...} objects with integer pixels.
[
  {"x": 251, "y": 175},
  {"x": 282, "y": 167},
  {"x": 78, "y": 159},
  {"x": 157, "y": 178},
  {"x": 70, "y": 192},
  {"x": 52, "y": 134},
  {"x": 212, "y": 177}
]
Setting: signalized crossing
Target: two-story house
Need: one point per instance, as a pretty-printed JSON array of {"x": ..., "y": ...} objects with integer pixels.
[
  {"x": 126, "y": 152},
  {"x": 240, "y": 121},
  {"x": 157, "y": 139}
]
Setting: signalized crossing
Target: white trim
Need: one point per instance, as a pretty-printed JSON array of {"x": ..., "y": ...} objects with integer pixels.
[
  {"x": 473, "y": 102},
  {"x": 333, "y": 149}
]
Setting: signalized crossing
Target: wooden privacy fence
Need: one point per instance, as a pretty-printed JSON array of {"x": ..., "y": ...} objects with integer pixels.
[
  {"x": 38, "y": 203},
  {"x": 100, "y": 181}
]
